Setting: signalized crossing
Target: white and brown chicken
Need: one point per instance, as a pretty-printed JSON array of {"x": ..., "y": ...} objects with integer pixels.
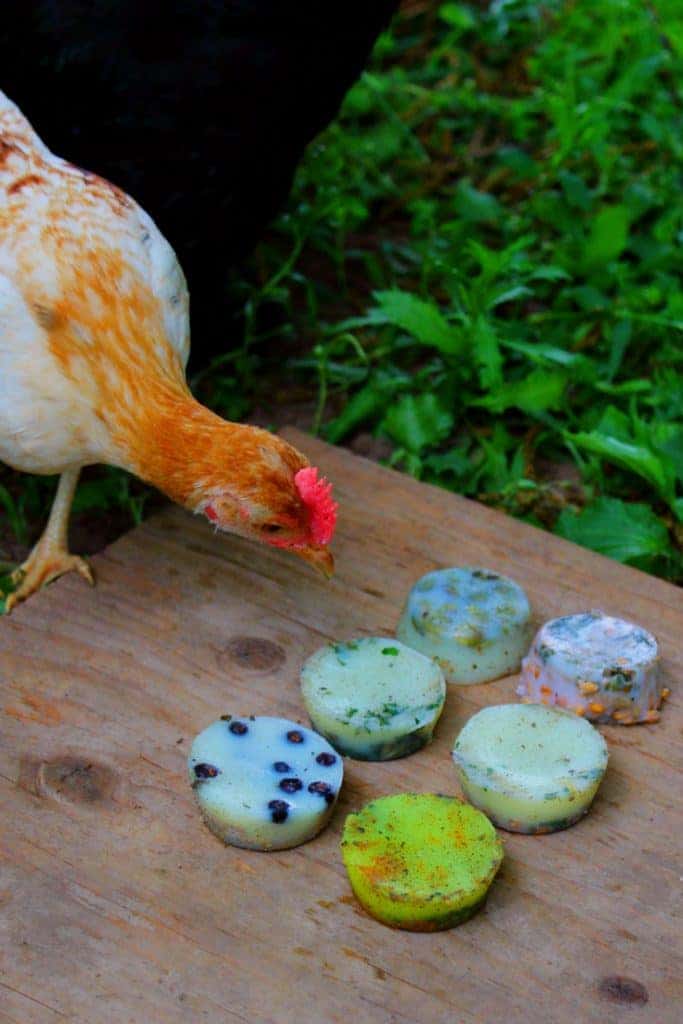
[{"x": 94, "y": 339}]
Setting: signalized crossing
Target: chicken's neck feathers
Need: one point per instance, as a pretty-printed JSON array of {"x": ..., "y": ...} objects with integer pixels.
[{"x": 191, "y": 454}]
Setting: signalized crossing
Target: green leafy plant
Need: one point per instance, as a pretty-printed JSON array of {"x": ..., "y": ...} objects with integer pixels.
[{"x": 511, "y": 263}]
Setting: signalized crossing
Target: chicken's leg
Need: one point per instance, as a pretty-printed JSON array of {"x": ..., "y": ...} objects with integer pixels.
[{"x": 50, "y": 557}]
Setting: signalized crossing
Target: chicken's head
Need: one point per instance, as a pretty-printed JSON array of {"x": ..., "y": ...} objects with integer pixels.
[{"x": 276, "y": 497}]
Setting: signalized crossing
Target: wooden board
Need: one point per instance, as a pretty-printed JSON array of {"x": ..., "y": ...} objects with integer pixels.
[{"x": 117, "y": 905}]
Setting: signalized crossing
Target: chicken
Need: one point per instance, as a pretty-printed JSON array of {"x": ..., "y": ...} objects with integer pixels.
[{"x": 94, "y": 339}]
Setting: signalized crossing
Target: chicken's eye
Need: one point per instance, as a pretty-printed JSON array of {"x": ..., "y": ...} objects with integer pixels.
[{"x": 272, "y": 528}]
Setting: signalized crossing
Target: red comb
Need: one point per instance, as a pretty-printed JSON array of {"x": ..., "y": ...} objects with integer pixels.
[{"x": 317, "y": 495}]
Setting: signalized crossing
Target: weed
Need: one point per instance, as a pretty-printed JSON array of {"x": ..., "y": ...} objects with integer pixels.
[{"x": 496, "y": 216}]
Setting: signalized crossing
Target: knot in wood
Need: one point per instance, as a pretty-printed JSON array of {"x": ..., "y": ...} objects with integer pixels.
[
  {"x": 623, "y": 990},
  {"x": 77, "y": 780},
  {"x": 255, "y": 653}
]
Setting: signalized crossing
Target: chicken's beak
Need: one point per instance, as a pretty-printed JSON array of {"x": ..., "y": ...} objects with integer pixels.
[{"x": 320, "y": 557}]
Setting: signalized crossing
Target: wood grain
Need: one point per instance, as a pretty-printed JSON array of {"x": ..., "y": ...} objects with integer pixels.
[{"x": 117, "y": 905}]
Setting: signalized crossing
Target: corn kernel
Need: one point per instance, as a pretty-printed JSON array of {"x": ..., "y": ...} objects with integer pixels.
[{"x": 622, "y": 715}]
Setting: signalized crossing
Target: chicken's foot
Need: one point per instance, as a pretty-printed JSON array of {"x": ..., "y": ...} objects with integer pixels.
[{"x": 50, "y": 557}]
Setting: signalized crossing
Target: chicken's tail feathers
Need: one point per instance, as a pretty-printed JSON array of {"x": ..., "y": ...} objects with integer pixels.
[{"x": 16, "y": 133}]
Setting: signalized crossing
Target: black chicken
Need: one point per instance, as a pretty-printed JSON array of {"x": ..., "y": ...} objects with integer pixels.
[{"x": 199, "y": 109}]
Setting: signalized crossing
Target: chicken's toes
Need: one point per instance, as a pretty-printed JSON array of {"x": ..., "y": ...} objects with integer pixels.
[
  {"x": 84, "y": 569},
  {"x": 41, "y": 568}
]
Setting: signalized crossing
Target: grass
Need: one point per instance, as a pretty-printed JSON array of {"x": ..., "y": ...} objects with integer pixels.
[
  {"x": 483, "y": 257},
  {"x": 480, "y": 262}
]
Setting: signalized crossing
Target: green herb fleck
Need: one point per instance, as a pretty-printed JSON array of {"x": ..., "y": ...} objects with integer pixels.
[
  {"x": 618, "y": 678},
  {"x": 342, "y": 651}
]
